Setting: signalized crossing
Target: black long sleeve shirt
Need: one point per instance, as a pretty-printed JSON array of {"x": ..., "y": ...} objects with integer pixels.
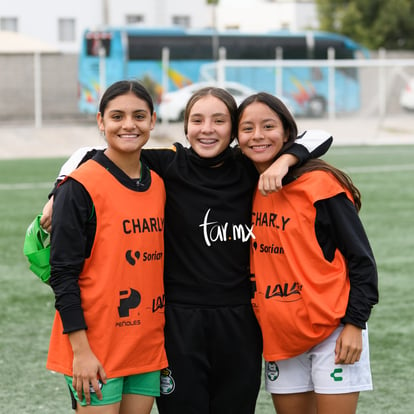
[{"x": 72, "y": 237}]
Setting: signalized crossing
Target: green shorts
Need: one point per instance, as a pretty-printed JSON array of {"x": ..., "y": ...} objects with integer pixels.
[{"x": 142, "y": 384}]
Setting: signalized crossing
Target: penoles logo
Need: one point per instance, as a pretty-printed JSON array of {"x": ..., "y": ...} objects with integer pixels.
[{"x": 129, "y": 300}]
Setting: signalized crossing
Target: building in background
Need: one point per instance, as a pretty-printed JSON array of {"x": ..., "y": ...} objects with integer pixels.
[
  {"x": 61, "y": 24},
  {"x": 265, "y": 15}
]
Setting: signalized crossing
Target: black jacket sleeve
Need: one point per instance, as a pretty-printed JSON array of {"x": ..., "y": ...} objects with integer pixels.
[
  {"x": 338, "y": 226},
  {"x": 158, "y": 159},
  {"x": 310, "y": 144},
  {"x": 71, "y": 240}
]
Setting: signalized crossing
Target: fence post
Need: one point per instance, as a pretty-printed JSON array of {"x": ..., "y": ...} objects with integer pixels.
[
  {"x": 165, "y": 68},
  {"x": 221, "y": 68},
  {"x": 102, "y": 72},
  {"x": 37, "y": 89},
  {"x": 331, "y": 83},
  {"x": 279, "y": 73},
  {"x": 382, "y": 98}
]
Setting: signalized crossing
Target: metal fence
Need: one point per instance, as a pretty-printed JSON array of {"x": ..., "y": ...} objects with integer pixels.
[
  {"x": 37, "y": 88},
  {"x": 381, "y": 78}
]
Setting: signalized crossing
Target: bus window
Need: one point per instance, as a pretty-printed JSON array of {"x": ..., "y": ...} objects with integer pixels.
[
  {"x": 180, "y": 47},
  {"x": 192, "y": 47},
  {"x": 140, "y": 49},
  {"x": 341, "y": 50},
  {"x": 97, "y": 41},
  {"x": 263, "y": 47}
]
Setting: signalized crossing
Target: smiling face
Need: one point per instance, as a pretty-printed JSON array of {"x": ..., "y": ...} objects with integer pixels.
[
  {"x": 261, "y": 134},
  {"x": 209, "y": 127},
  {"x": 126, "y": 122}
]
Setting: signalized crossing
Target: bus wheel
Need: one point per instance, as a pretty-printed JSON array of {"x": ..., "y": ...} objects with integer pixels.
[{"x": 317, "y": 107}]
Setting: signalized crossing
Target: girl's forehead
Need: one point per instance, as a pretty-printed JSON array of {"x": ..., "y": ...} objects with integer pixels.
[
  {"x": 207, "y": 102},
  {"x": 127, "y": 101},
  {"x": 126, "y": 98},
  {"x": 259, "y": 109}
]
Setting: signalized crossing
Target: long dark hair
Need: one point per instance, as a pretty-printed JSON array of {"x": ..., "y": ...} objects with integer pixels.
[{"x": 343, "y": 178}]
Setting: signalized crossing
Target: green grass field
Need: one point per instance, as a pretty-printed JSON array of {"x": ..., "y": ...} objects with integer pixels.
[{"x": 383, "y": 174}]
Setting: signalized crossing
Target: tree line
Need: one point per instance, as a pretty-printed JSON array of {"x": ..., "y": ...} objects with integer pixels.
[{"x": 375, "y": 24}]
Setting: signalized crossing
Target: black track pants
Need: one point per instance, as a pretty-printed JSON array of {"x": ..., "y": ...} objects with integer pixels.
[{"x": 215, "y": 361}]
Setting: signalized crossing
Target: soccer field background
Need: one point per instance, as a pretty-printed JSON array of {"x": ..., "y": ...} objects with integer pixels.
[{"x": 384, "y": 174}]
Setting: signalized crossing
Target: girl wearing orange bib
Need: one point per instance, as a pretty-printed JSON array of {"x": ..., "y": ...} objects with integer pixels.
[
  {"x": 314, "y": 273},
  {"x": 107, "y": 257}
]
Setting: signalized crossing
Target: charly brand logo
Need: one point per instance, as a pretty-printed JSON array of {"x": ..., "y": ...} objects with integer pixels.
[
  {"x": 144, "y": 225},
  {"x": 129, "y": 300},
  {"x": 274, "y": 220},
  {"x": 213, "y": 231}
]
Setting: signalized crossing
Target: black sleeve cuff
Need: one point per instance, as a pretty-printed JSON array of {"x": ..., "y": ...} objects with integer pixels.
[
  {"x": 72, "y": 320},
  {"x": 359, "y": 324}
]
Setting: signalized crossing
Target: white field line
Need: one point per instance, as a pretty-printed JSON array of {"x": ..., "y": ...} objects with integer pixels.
[
  {"x": 379, "y": 168},
  {"x": 25, "y": 186}
]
